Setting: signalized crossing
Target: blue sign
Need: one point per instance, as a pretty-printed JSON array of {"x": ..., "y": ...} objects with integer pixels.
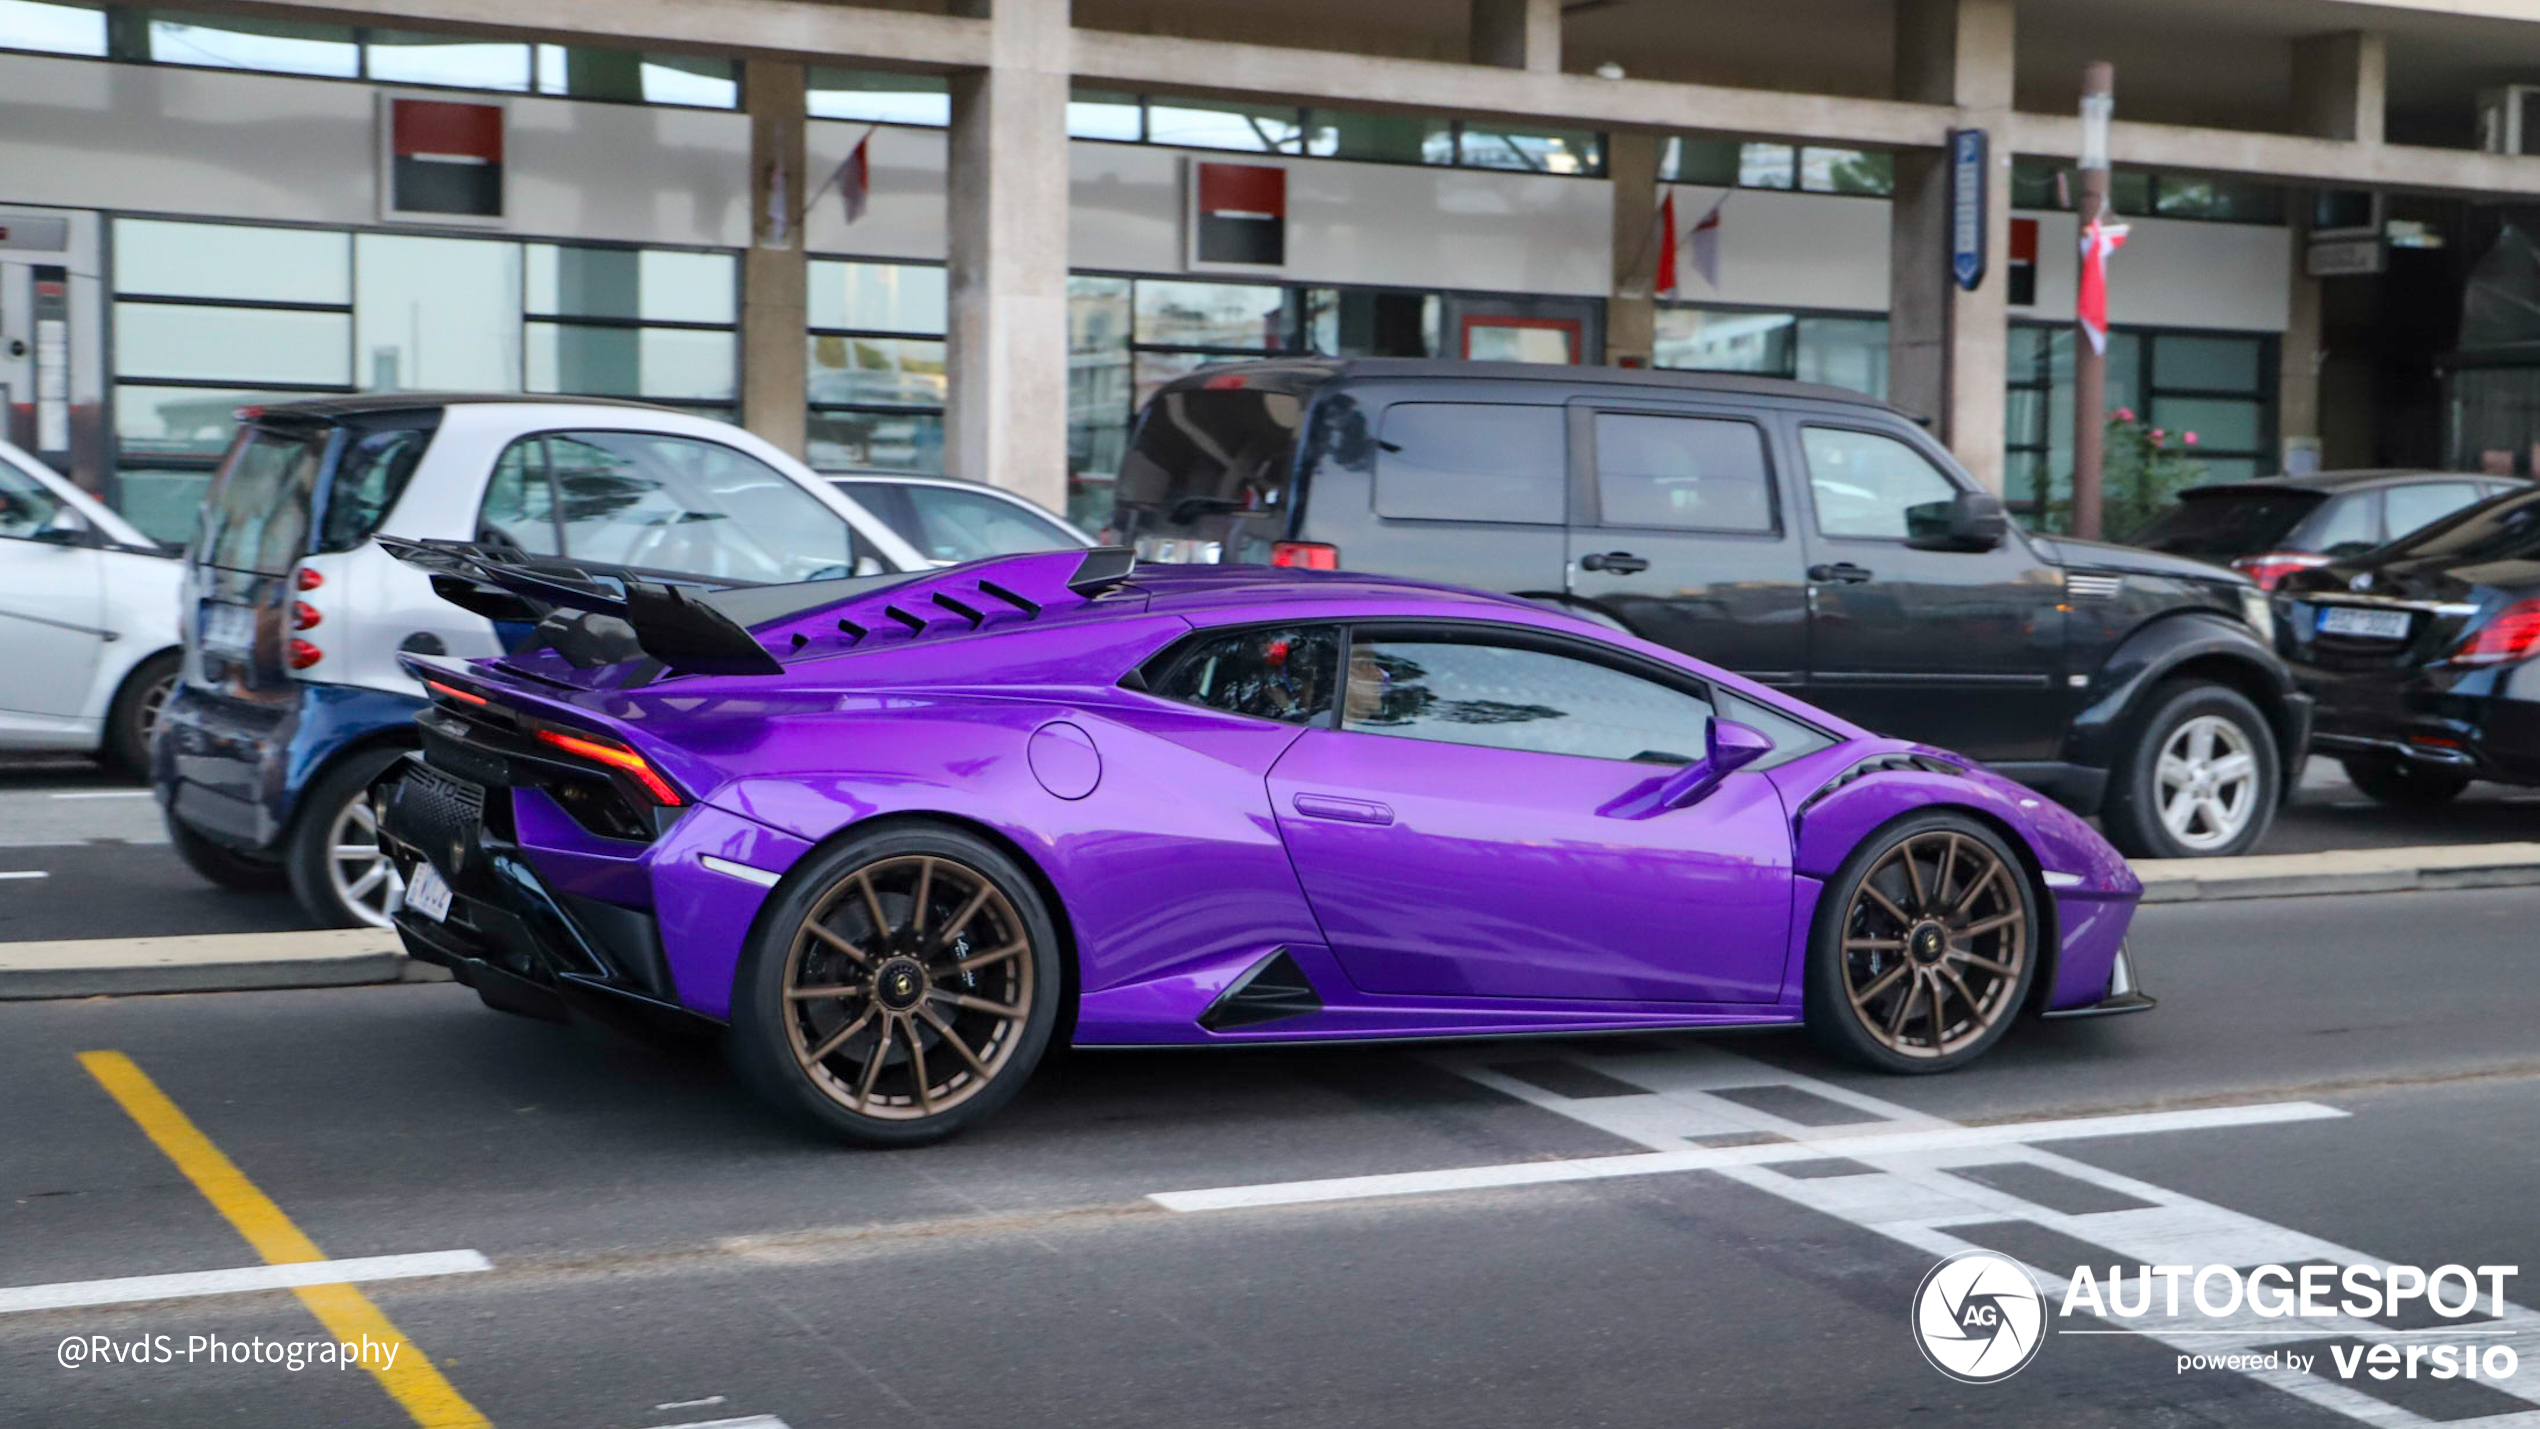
[{"x": 1968, "y": 175}]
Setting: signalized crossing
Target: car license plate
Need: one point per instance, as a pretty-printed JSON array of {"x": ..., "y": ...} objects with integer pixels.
[
  {"x": 2361, "y": 624},
  {"x": 229, "y": 627},
  {"x": 429, "y": 893}
]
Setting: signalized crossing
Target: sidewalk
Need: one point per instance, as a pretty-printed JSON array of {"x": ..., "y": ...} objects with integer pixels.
[{"x": 2372, "y": 870}]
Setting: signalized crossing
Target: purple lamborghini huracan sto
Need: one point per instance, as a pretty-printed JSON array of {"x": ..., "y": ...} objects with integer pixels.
[{"x": 895, "y": 834}]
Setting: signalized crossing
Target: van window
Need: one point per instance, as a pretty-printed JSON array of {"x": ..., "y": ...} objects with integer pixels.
[
  {"x": 666, "y": 503},
  {"x": 1472, "y": 461},
  {"x": 1205, "y": 454},
  {"x": 256, "y": 517},
  {"x": 1695, "y": 473},
  {"x": 1870, "y": 485}
]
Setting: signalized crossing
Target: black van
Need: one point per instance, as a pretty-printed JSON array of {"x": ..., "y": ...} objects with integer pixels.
[{"x": 1805, "y": 536}]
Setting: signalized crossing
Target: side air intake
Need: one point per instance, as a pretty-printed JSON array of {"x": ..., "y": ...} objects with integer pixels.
[{"x": 1269, "y": 990}]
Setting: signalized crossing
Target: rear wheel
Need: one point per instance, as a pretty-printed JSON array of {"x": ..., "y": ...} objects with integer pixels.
[
  {"x": 1924, "y": 947},
  {"x": 224, "y": 865},
  {"x": 339, "y": 873},
  {"x": 900, "y": 987},
  {"x": 2201, "y": 780},
  {"x": 135, "y": 712},
  {"x": 2404, "y": 784}
]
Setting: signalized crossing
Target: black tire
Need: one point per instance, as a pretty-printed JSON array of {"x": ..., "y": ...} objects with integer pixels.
[
  {"x": 135, "y": 710},
  {"x": 226, "y": 866},
  {"x": 2403, "y": 783},
  {"x": 2133, "y": 814},
  {"x": 774, "y": 1037},
  {"x": 1840, "y": 1025},
  {"x": 310, "y": 849}
]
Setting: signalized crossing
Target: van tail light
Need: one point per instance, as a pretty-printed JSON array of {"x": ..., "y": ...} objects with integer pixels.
[
  {"x": 2513, "y": 635},
  {"x": 616, "y": 756},
  {"x": 2274, "y": 566},
  {"x": 1306, "y": 555},
  {"x": 302, "y": 654}
]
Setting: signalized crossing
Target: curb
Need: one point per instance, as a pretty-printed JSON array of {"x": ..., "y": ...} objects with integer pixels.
[
  {"x": 226, "y": 962},
  {"x": 2383, "y": 870}
]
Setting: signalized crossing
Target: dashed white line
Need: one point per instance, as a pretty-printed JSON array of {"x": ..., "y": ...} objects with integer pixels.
[
  {"x": 76, "y": 1294},
  {"x": 27, "y": 873},
  {"x": 104, "y": 794}
]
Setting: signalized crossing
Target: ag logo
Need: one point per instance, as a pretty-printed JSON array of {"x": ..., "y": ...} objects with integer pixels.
[{"x": 1978, "y": 1317}]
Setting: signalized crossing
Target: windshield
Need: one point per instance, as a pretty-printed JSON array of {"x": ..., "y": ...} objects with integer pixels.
[
  {"x": 1203, "y": 455},
  {"x": 2219, "y": 525},
  {"x": 2498, "y": 529},
  {"x": 256, "y": 515}
]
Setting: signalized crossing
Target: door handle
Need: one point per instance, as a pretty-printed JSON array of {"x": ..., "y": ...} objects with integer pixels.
[
  {"x": 1621, "y": 563},
  {"x": 1348, "y": 811},
  {"x": 1840, "y": 573}
]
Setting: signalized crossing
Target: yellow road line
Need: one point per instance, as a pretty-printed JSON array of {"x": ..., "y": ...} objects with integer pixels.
[{"x": 344, "y": 1310}]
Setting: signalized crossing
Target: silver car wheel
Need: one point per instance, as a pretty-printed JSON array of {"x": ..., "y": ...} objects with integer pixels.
[
  {"x": 2207, "y": 782},
  {"x": 365, "y": 881}
]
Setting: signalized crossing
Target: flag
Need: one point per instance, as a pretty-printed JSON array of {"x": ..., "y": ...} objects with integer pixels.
[
  {"x": 1666, "y": 281},
  {"x": 2098, "y": 240},
  {"x": 855, "y": 178},
  {"x": 1706, "y": 242}
]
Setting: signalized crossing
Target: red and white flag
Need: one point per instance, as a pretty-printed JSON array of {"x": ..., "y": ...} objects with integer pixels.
[
  {"x": 855, "y": 178},
  {"x": 1706, "y": 242},
  {"x": 1666, "y": 283},
  {"x": 2098, "y": 240}
]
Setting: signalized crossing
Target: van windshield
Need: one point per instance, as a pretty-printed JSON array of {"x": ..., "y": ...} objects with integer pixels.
[{"x": 256, "y": 515}]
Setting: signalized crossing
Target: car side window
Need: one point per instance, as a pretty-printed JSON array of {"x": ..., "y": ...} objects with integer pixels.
[
  {"x": 1508, "y": 697},
  {"x": 27, "y": 508},
  {"x": 967, "y": 526},
  {"x": 2405, "y": 508},
  {"x": 519, "y": 505},
  {"x": 1286, "y": 674},
  {"x": 1473, "y": 461},
  {"x": 1873, "y": 486},
  {"x": 2347, "y": 527},
  {"x": 1693, "y": 473}
]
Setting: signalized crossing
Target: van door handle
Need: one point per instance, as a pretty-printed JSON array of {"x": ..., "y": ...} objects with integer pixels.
[
  {"x": 1621, "y": 563},
  {"x": 1840, "y": 573},
  {"x": 1348, "y": 811}
]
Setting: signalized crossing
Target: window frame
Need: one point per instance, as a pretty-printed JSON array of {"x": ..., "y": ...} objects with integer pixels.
[
  {"x": 1589, "y": 507},
  {"x": 1802, "y": 421}
]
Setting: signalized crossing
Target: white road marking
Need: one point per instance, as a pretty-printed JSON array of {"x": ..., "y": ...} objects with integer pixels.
[
  {"x": 708, "y": 1402},
  {"x": 76, "y": 1294},
  {"x": 748, "y": 1421},
  {"x": 104, "y": 794},
  {"x": 29, "y": 874},
  {"x": 1853, "y": 1144}
]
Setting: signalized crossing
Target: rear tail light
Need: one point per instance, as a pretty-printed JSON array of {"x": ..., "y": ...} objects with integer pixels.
[
  {"x": 302, "y": 654},
  {"x": 2513, "y": 635},
  {"x": 616, "y": 756},
  {"x": 2274, "y": 566},
  {"x": 1306, "y": 555},
  {"x": 307, "y": 579},
  {"x": 465, "y": 697},
  {"x": 304, "y": 616}
]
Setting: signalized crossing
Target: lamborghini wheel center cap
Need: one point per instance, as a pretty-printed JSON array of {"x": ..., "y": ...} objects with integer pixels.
[{"x": 899, "y": 984}]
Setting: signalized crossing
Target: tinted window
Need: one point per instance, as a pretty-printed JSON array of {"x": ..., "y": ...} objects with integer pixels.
[
  {"x": 2344, "y": 527},
  {"x": 2405, "y": 508},
  {"x": 520, "y": 509},
  {"x": 1286, "y": 675},
  {"x": 1508, "y": 698},
  {"x": 369, "y": 477},
  {"x": 26, "y": 507},
  {"x": 258, "y": 516},
  {"x": 1201, "y": 455},
  {"x": 966, "y": 525},
  {"x": 1692, "y": 472},
  {"x": 1466, "y": 461},
  {"x": 2222, "y": 524},
  {"x": 2502, "y": 529},
  {"x": 669, "y": 504},
  {"x": 1866, "y": 484}
]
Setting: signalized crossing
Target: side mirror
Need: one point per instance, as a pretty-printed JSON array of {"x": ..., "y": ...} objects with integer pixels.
[
  {"x": 1729, "y": 748},
  {"x": 1969, "y": 521}
]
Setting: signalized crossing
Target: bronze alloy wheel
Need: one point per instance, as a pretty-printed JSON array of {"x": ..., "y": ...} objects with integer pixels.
[
  {"x": 1935, "y": 943},
  {"x": 908, "y": 987}
]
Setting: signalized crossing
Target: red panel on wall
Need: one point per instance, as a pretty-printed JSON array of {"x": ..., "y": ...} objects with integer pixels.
[
  {"x": 1254, "y": 190},
  {"x": 448, "y": 129}
]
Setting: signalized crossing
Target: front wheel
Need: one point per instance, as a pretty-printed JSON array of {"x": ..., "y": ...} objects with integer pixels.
[
  {"x": 2404, "y": 784},
  {"x": 1924, "y": 947},
  {"x": 899, "y": 987},
  {"x": 2201, "y": 780}
]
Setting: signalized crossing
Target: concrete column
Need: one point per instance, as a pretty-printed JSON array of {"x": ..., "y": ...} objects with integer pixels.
[
  {"x": 1006, "y": 210},
  {"x": 1518, "y": 34},
  {"x": 1631, "y": 307},
  {"x": 773, "y": 271},
  {"x": 2339, "y": 92},
  {"x": 1948, "y": 347}
]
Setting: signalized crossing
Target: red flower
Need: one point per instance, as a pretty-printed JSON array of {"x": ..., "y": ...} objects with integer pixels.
[
  {"x": 2189, "y": 438},
  {"x": 2124, "y": 414}
]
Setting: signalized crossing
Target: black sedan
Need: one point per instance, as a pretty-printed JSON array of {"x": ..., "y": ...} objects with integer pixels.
[{"x": 2421, "y": 654}]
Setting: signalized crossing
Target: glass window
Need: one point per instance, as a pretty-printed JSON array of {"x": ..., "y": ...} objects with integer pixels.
[
  {"x": 369, "y": 477},
  {"x": 1467, "y": 461},
  {"x": 402, "y": 58},
  {"x": 165, "y": 505},
  {"x": 2033, "y": 183},
  {"x": 877, "y": 441},
  {"x": 1699, "y": 340},
  {"x": 1847, "y": 171},
  {"x": 671, "y": 364},
  {"x": 968, "y": 526},
  {"x": 1540, "y": 151},
  {"x": 28, "y": 507},
  {"x": 185, "y": 341},
  {"x": 1504, "y": 339},
  {"x": 2182, "y": 196},
  {"x": 1844, "y": 352},
  {"x": 1225, "y": 124},
  {"x": 278, "y": 46},
  {"x": 1767, "y": 166},
  {"x": 1284, "y": 675},
  {"x": 164, "y": 423},
  {"x": 877, "y": 371},
  {"x": 647, "y": 284},
  {"x": 878, "y": 297},
  {"x": 2219, "y": 525},
  {"x": 1101, "y": 114},
  {"x": 440, "y": 314},
  {"x": 2224, "y": 423},
  {"x": 1098, "y": 392},
  {"x": 697, "y": 81},
  {"x": 1686, "y": 160},
  {"x": 2405, "y": 508},
  {"x": 2214, "y": 364},
  {"x": 232, "y": 260},
  {"x": 697, "y": 507},
  {"x": 2344, "y": 527},
  {"x": 1388, "y": 138},
  {"x": 1530, "y": 700},
  {"x": 878, "y": 95},
  {"x": 1691, "y": 473},
  {"x": 54, "y": 29},
  {"x": 1870, "y": 485},
  {"x": 1231, "y": 315},
  {"x": 520, "y": 508},
  {"x": 258, "y": 517},
  {"x": 2129, "y": 191}
]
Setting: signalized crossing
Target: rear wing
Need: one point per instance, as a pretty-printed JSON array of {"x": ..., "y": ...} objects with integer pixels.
[{"x": 598, "y": 614}]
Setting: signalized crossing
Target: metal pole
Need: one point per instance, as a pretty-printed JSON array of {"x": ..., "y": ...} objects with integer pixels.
[{"x": 2090, "y": 367}]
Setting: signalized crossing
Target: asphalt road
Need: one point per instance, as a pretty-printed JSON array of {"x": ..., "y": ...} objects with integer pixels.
[{"x": 662, "y": 1251}]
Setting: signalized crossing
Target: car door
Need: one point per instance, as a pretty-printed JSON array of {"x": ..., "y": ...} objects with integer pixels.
[
  {"x": 1963, "y": 649},
  {"x": 52, "y": 601},
  {"x": 1479, "y": 826},
  {"x": 1678, "y": 534}
]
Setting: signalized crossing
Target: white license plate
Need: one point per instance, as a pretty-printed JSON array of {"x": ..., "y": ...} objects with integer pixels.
[
  {"x": 2363, "y": 624},
  {"x": 229, "y": 627},
  {"x": 429, "y": 893}
]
